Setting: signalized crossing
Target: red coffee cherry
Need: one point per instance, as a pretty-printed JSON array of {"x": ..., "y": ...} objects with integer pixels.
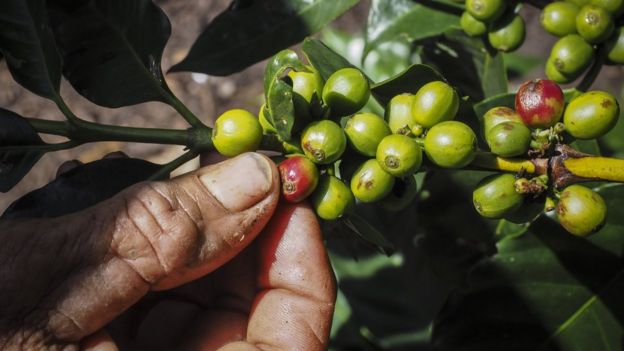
[
  {"x": 299, "y": 178},
  {"x": 540, "y": 103}
]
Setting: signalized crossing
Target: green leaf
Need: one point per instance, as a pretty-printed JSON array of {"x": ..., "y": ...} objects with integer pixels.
[
  {"x": 112, "y": 49},
  {"x": 281, "y": 108},
  {"x": 250, "y": 31},
  {"x": 15, "y": 164},
  {"x": 325, "y": 60},
  {"x": 27, "y": 43},
  {"x": 81, "y": 187},
  {"x": 369, "y": 233},
  {"x": 546, "y": 290},
  {"x": 408, "y": 81},
  {"x": 389, "y": 20},
  {"x": 279, "y": 64}
]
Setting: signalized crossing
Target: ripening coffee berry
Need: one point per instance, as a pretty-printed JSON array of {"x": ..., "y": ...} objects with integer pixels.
[
  {"x": 615, "y": 7},
  {"x": 399, "y": 155},
  {"x": 591, "y": 115},
  {"x": 451, "y": 144},
  {"x": 346, "y": 92},
  {"x": 323, "y": 141},
  {"x": 235, "y": 132},
  {"x": 307, "y": 89},
  {"x": 332, "y": 198},
  {"x": 496, "y": 196},
  {"x": 267, "y": 127},
  {"x": 370, "y": 182},
  {"x": 498, "y": 115},
  {"x": 615, "y": 47},
  {"x": 435, "y": 102},
  {"x": 507, "y": 34},
  {"x": 299, "y": 178},
  {"x": 402, "y": 194},
  {"x": 571, "y": 55},
  {"x": 594, "y": 24},
  {"x": 581, "y": 211},
  {"x": 472, "y": 26},
  {"x": 399, "y": 114},
  {"x": 559, "y": 18},
  {"x": 486, "y": 10},
  {"x": 509, "y": 139},
  {"x": 540, "y": 103},
  {"x": 364, "y": 132}
]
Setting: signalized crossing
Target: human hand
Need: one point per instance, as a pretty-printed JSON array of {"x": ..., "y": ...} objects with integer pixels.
[{"x": 171, "y": 265}]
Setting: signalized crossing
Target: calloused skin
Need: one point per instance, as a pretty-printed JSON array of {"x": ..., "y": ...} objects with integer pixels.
[{"x": 206, "y": 261}]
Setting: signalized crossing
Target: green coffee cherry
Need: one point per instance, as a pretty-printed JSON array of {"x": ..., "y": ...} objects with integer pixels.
[
  {"x": 332, "y": 198},
  {"x": 559, "y": 18},
  {"x": 578, "y": 3},
  {"x": 508, "y": 34},
  {"x": 235, "y": 132},
  {"x": 581, "y": 211},
  {"x": 451, "y": 144},
  {"x": 509, "y": 139},
  {"x": 498, "y": 115},
  {"x": 399, "y": 155},
  {"x": 615, "y": 7},
  {"x": 267, "y": 127},
  {"x": 402, "y": 194},
  {"x": 399, "y": 114},
  {"x": 370, "y": 182},
  {"x": 571, "y": 55},
  {"x": 323, "y": 142},
  {"x": 553, "y": 74},
  {"x": 591, "y": 115},
  {"x": 307, "y": 89},
  {"x": 615, "y": 47},
  {"x": 435, "y": 102},
  {"x": 472, "y": 26},
  {"x": 496, "y": 196},
  {"x": 346, "y": 92},
  {"x": 594, "y": 24},
  {"x": 486, "y": 10},
  {"x": 365, "y": 131}
]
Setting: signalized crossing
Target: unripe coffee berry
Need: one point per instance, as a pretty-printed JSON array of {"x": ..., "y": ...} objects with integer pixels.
[
  {"x": 399, "y": 114},
  {"x": 346, "y": 92},
  {"x": 435, "y": 102},
  {"x": 472, "y": 26},
  {"x": 235, "y": 132},
  {"x": 332, "y": 198},
  {"x": 495, "y": 196},
  {"x": 508, "y": 34},
  {"x": 323, "y": 141},
  {"x": 509, "y": 139},
  {"x": 451, "y": 144},
  {"x": 571, "y": 55},
  {"x": 615, "y": 47},
  {"x": 594, "y": 24},
  {"x": 578, "y": 3},
  {"x": 581, "y": 211},
  {"x": 540, "y": 103},
  {"x": 402, "y": 194},
  {"x": 559, "y": 18},
  {"x": 364, "y": 132},
  {"x": 307, "y": 89},
  {"x": 370, "y": 182},
  {"x": 615, "y": 7},
  {"x": 553, "y": 73},
  {"x": 486, "y": 10},
  {"x": 299, "y": 178},
  {"x": 399, "y": 155},
  {"x": 498, "y": 115},
  {"x": 591, "y": 115}
]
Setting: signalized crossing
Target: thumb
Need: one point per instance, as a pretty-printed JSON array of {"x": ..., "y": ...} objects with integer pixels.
[{"x": 152, "y": 236}]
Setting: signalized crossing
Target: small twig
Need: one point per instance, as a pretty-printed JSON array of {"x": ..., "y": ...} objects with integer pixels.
[{"x": 167, "y": 168}]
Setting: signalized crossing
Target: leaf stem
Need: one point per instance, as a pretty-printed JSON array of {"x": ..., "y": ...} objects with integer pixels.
[
  {"x": 167, "y": 168},
  {"x": 592, "y": 73},
  {"x": 187, "y": 114},
  {"x": 41, "y": 147}
]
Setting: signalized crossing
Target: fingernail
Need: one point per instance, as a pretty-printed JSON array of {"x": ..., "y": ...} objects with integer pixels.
[{"x": 241, "y": 182}]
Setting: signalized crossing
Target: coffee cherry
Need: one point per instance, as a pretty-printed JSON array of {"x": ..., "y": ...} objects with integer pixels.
[
  {"x": 399, "y": 155},
  {"x": 496, "y": 196},
  {"x": 451, "y": 144},
  {"x": 591, "y": 115},
  {"x": 581, "y": 211},
  {"x": 370, "y": 182},
  {"x": 267, "y": 127},
  {"x": 571, "y": 55},
  {"x": 435, "y": 102},
  {"x": 364, "y": 132},
  {"x": 553, "y": 74},
  {"x": 472, "y": 26},
  {"x": 402, "y": 194},
  {"x": 332, "y": 198},
  {"x": 615, "y": 7},
  {"x": 540, "y": 103},
  {"x": 399, "y": 114},
  {"x": 578, "y": 3},
  {"x": 498, "y": 115},
  {"x": 307, "y": 88},
  {"x": 594, "y": 24},
  {"x": 235, "y": 132},
  {"x": 508, "y": 34},
  {"x": 346, "y": 92},
  {"x": 299, "y": 178},
  {"x": 559, "y": 18},
  {"x": 486, "y": 10},
  {"x": 323, "y": 141},
  {"x": 615, "y": 47},
  {"x": 509, "y": 139}
]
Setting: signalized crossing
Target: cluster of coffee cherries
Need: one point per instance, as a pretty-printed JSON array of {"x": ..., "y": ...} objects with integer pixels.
[
  {"x": 540, "y": 119},
  {"x": 495, "y": 20},
  {"x": 584, "y": 27}
]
